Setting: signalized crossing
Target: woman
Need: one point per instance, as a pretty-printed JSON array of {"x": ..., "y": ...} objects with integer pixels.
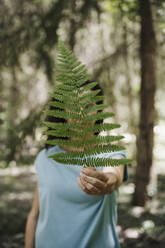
[{"x": 74, "y": 207}]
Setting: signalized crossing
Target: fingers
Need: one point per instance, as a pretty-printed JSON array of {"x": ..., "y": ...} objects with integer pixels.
[
  {"x": 82, "y": 185},
  {"x": 87, "y": 188},
  {"x": 93, "y": 181},
  {"x": 92, "y": 172},
  {"x": 96, "y": 182}
]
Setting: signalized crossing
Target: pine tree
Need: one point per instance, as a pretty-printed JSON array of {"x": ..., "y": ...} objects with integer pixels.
[{"x": 73, "y": 100}]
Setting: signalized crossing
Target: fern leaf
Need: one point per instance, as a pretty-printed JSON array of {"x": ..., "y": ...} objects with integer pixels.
[
  {"x": 71, "y": 99},
  {"x": 64, "y": 106}
]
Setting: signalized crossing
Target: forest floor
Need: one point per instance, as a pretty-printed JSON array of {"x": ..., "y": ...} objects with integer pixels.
[{"x": 137, "y": 227}]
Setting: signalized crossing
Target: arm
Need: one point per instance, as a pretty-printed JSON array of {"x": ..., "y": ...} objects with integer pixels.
[
  {"x": 32, "y": 221},
  {"x": 103, "y": 182}
]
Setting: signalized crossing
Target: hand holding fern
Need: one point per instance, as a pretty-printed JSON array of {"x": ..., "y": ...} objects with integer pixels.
[{"x": 96, "y": 182}]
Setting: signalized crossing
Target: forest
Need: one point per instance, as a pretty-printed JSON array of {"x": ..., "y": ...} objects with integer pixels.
[{"x": 122, "y": 44}]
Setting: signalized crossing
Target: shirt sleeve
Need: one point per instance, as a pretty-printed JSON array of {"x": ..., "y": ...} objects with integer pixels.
[{"x": 37, "y": 160}]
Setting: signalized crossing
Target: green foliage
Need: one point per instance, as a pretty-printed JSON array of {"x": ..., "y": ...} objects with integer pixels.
[
  {"x": 33, "y": 26},
  {"x": 16, "y": 141},
  {"x": 72, "y": 99},
  {"x": 128, "y": 8}
]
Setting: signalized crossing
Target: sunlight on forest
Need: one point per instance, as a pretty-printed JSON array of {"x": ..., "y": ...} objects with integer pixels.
[{"x": 107, "y": 37}]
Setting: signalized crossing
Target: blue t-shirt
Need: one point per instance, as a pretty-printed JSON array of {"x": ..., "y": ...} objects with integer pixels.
[{"x": 70, "y": 218}]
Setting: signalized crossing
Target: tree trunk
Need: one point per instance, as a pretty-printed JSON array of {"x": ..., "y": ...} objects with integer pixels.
[
  {"x": 12, "y": 116},
  {"x": 131, "y": 121},
  {"x": 147, "y": 111},
  {"x": 73, "y": 26}
]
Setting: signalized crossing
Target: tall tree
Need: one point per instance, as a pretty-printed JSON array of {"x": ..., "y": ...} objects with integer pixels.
[{"x": 147, "y": 109}]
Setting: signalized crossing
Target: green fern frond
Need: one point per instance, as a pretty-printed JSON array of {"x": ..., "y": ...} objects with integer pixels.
[
  {"x": 95, "y": 108},
  {"x": 101, "y": 139},
  {"x": 64, "y": 106},
  {"x": 63, "y": 133},
  {"x": 63, "y": 126},
  {"x": 89, "y": 86},
  {"x": 65, "y": 93},
  {"x": 98, "y": 116},
  {"x": 70, "y": 99},
  {"x": 78, "y": 143},
  {"x": 64, "y": 87},
  {"x": 63, "y": 98},
  {"x": 90, "y": 151},
  {"x": 77, "y": 127},
  {"x": 103, "y": 127},
  {"x": 92, "y": 162},
  {"x": 83, "y": 98},
  {"x": 62, "y": 114},
  {"x": 93, "y": 100}
]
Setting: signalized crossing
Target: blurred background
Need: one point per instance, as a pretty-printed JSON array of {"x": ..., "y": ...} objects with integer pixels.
[{"x": 122, "y": 43}]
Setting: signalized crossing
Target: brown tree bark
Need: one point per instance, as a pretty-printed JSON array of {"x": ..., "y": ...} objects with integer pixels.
[
  {"x": 131, "y": 121},
  {"x": 147, "y": 110}
]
